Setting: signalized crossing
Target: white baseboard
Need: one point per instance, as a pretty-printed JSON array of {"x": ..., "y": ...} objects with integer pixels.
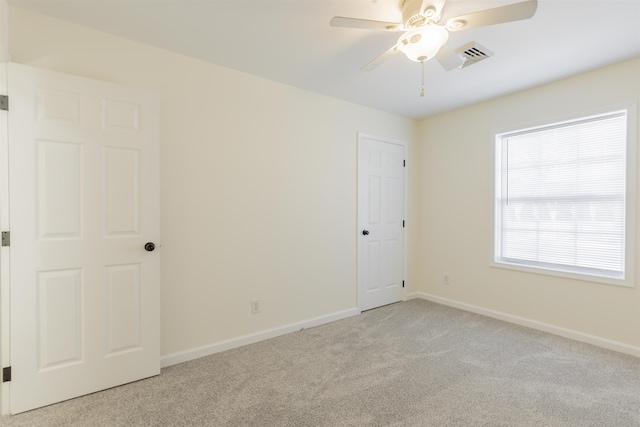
[
  {"x": 206, "y": 350},
  {"x": 533, "y": 324}
]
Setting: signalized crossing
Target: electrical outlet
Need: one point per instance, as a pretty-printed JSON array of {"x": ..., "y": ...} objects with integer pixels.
[
  {"x": 255, "y": 306},
  {"x": 446, "y": 279}
]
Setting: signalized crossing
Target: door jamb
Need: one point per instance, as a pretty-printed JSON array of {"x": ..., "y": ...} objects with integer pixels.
[
  {"x": 5, "y": 302},
  {"x": 5, "y": 285}
]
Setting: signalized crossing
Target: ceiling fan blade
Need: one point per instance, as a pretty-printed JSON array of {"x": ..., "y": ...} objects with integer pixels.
[
  {"x": 448, "y": 59},
  {"x": 364, "y": 24},
  {"x": 513, "y": 12},
  {"x": 371, "y": 65}
]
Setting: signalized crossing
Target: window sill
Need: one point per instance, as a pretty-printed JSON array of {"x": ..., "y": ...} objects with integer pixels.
[{"x": 627, "y": 283}]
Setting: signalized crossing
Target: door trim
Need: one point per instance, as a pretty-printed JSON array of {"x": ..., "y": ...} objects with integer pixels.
[
  {"x": 5, "y": 301},
  {"x": 404, "y": 144}
]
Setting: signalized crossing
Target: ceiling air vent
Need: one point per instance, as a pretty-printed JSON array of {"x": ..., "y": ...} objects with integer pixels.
[{"x": 472, "y": 53}]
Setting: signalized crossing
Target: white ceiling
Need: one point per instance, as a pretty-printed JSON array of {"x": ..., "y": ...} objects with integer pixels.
[{"x": 290, "y": 41}]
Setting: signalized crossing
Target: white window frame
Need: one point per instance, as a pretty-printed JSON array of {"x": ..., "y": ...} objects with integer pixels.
[{"x": 630, "y": 198}]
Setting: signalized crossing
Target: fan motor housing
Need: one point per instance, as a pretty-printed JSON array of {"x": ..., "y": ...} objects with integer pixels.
[{"x": 412, "y": 14}]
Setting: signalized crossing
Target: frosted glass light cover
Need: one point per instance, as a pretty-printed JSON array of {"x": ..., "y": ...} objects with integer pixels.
[{"x": 422, "y": 43}]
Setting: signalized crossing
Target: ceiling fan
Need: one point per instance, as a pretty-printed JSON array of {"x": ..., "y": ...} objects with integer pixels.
[{"x": 426, "y": 29}]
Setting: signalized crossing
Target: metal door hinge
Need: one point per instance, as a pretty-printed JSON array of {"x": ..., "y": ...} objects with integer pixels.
[
  {"x": 404, "y": 163},
  {"x": 6, "y": 238},
  {"x": 4, "y": 103},
  {"x": 6, "y": 374},
  {"x": 403, "y": 223},
  {"x": 403, "y": 283}
]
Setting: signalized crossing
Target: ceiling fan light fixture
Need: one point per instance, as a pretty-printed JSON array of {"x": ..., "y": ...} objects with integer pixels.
[{"x": 422, "y": 43}]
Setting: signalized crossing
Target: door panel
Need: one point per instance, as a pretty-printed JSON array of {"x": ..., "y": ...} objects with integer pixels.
[
  {"x": 373, "y": 260},
  {"x": 59, "y": 300},
  {"x": 122, "y": 201},
  {"x": 83, "y": 169},
  {"x": 59, "y": 189},
  {"x": 122, "y": 286},
  {"x": 381, "y": 213}
]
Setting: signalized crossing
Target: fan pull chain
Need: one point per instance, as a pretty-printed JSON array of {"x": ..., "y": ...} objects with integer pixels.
[{"x": 422, "y": 92}]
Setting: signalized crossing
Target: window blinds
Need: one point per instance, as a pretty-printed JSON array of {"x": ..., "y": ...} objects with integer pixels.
[{"x": 560, "y": 196}]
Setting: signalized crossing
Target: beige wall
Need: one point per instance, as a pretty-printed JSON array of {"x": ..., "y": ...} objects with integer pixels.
[
  {"x": 258, "y": 183},
  {"x": 258, "y": 187},
  {"x": 455, "y": 210}
]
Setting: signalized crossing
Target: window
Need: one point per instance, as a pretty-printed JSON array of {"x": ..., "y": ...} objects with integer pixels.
[{"x": 565, "y": 198}]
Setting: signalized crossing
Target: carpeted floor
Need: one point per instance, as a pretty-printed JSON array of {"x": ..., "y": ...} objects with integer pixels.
[{"x": 414, "y": 363}]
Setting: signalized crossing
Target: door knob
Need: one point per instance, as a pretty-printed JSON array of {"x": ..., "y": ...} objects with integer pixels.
[
  {"x": 365, "y": 232},
  {"x": 149, "y": 247}
]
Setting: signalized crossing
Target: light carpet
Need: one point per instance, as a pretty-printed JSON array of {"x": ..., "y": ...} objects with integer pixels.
[{"x": 414, "y": 363}]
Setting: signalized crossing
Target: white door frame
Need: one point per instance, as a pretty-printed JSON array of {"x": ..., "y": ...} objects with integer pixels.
[
  {"x": 5, "y": 313},
  {"x": 5, "y": 301},
  {"x": 404, "y": 144}
]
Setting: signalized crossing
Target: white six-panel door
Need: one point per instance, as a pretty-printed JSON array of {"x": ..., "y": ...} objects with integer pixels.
[
  {"x": 84, "y": 200},
  {"x": 381, "y": 176}
]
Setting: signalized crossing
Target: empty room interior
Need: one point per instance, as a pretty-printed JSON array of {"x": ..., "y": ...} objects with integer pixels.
[{"x": 268, "y": 212}]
